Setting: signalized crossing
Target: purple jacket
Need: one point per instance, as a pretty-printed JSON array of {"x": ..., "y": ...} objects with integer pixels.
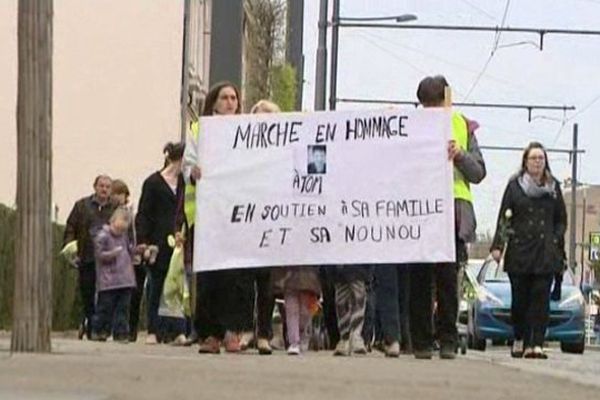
[{"x": 114, "y": 267}]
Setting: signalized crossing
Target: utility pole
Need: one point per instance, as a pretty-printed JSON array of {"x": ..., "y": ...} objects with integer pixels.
[
  {"x": 335, "y": 27},
  {"x": 32, "y": 303},
  {"x": 185, "y": 78},
  {"x": 321, "y": 69},
  {"x": 573, "y": 216},
  {"x": 294, "y": 55}
]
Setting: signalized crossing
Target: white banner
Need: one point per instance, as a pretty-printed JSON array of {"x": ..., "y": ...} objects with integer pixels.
[{"x": 321, "y": 188}]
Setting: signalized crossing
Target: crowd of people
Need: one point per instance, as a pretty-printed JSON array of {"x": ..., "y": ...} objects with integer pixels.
[{"x": 121, "y": 255}]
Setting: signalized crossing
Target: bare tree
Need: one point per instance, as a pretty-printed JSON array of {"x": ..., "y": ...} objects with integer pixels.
[
  {"x": 264, "y": 40},
  {"x": 32, "y": 307}
]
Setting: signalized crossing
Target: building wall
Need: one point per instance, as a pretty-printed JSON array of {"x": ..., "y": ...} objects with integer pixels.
[
  {"x": 588, "y": 218},
  {"x": 117, "y": 74}
]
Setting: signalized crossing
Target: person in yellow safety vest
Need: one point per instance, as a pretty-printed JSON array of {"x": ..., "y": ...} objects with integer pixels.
[
  {"x": 469, "y": 168},
  {"x": 216, "y": 315}
]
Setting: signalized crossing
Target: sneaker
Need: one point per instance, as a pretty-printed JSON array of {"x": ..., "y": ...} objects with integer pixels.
[
  {"x": 358, "y": 344},
  {"x": 392, "y": 350},
  {"x": 293, "y": 350},
  {"x": 151, "y": 339},
  {"x": 246, "y": 340},
  {"x": 264, "y": 348},
  {"x": 211, "y": 345},
  {"x": 516, "y": 350},
  {"x": 528, "y": 353},
  {"x": 232, "y": 342},
  {"x": 539, "y": 353},
  {"x": 342, "y": 349},
  {"x": 99, "y": 337},
  {"x": 192, "y": 339},
  {"x": 425, "y": 354},
  {"x": 180, "y": 340},
  {"x": 448, "y": 351}
]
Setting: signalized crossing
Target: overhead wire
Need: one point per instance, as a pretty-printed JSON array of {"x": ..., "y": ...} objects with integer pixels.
[{"x": 492, "y": 53}]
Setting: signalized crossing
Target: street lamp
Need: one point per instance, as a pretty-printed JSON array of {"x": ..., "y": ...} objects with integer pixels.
[{"x": 335, "y": 25}]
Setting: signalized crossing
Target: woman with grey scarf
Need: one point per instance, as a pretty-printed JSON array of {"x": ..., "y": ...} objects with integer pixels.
[{"x": 530, "y": 232}]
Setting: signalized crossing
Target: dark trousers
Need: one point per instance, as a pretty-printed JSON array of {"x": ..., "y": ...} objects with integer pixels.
[
  {"x": 222, "y": 302},
  {"x": 329, "y": 311},
  {"x": 530, "y": 307},
  {"x": 156, "y": 281},
  {"x": 112, "y": 313},
  {"x": 263, "y": 303},
  {"x": 444, "y": 278},
  {"x": 136, "y": 300},
  {"x": 87, "y": 287},
  {"x": 391, "y": 287}
]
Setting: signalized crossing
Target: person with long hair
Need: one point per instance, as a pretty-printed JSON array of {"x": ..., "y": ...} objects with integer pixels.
[
  {"x": 262, "y": 300},
  {"x": 530, "y": 231},
  {"x": 221, "y": 296},
  {"x": 154, "y": 222}
]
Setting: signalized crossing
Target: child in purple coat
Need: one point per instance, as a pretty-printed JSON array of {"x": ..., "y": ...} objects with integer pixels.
[{"x": 115, "y": 279}]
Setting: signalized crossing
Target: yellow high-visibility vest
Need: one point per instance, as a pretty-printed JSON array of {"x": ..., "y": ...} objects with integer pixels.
[
  {"x": 460, "y": 133},
  {"x": 189, "y": 199}
]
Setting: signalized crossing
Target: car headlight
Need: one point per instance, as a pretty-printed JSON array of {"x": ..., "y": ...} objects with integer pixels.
[
  {"x": 571, "y": 301},
  {"x": 485, "y": 296}
]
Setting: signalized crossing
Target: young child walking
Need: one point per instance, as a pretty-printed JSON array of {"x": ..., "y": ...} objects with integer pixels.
[
  {"x": 115, "y": 279},
  {"x": 301, "y": 288}
]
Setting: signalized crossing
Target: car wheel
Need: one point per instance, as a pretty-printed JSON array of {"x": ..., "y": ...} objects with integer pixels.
[{"x": 573, "y": 347}]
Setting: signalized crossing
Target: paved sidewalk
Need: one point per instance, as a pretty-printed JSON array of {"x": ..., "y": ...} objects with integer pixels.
[{"x": 97, "y": 371}]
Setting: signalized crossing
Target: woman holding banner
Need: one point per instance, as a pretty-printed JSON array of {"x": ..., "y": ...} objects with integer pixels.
[
  {"x": 534, "y": 208},
  {"x": 222, "y": 297},
  {"x": 262, "y": 301}
]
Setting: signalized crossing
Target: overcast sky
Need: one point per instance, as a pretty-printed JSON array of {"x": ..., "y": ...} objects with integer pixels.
[{"x": 388, "y": 64}]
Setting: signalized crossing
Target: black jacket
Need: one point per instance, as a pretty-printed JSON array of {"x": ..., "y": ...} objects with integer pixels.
[
  {"x": 155, "y": 219},
  {"x": 536, "y": 231},
  {"x": 86, "y": 218}
]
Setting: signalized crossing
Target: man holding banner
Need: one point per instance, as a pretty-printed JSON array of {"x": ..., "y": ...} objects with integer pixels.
[{"x": 469, "y": 168}]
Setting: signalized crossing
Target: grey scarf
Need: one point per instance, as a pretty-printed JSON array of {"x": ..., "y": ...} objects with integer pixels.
[{"x": 532, "y": 189}]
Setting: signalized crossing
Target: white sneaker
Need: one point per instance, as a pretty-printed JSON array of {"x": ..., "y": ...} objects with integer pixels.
[
  {"x": 342, "y": 349},
  {"x": 180, "y": 340},
  {"x": 517, "y": 349},
  {"x": 358, "y": 343},
  {"x": 358, "y": 347},
  {"x": 246, "y": 339},
  {"x": 151, "y": 339},
  {"x": 294, "y": 350},
  {"x": 539, "y": 353}
]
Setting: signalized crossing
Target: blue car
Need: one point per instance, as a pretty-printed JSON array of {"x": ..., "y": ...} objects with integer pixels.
[{"x": 489, "y": 311}]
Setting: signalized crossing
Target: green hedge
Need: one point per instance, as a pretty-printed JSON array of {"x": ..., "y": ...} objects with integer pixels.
[{"x": 66, "y": 302}]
